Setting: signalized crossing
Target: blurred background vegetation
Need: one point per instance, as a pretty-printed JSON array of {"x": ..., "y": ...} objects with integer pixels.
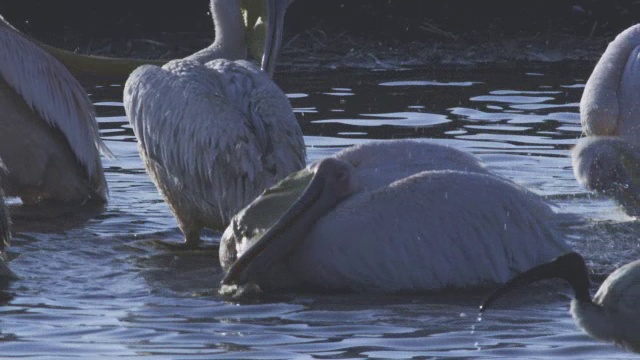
[
  {"x": 403, "y": 19},
  {"x": 173, "y": 28}
]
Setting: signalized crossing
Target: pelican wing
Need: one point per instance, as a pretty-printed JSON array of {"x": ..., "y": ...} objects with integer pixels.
[
  {"x": 433, "y": 230},
  {"x": 219, "y": 133},
  {"x": 378, "y": 165},
  {"x": 48, "y": 88},
  {"x": 382, "y": 162},
  {"x": 621, "y": 290}
]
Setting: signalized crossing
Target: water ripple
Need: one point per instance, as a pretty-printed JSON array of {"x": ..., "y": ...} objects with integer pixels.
[{"x": 103, "y": 288}]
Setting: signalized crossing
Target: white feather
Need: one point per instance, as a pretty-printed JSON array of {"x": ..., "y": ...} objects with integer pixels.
[
  {"x": 433, "y": 230},
  {"x": 608, "y": 105},
  {"x": 606, "y": 161},
  {"x": 614, "y": 314},
  {"x": 48, "y": 88},
  {"x": 213, "y": 135},
  {"x": 423, "y": 217}
]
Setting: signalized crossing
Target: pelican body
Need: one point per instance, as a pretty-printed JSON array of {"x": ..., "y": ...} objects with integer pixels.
[
  {"x": 49, "y": 140},
  {"x": 389, "y": 216},
  {"x": 614, "y": 313},
  {"x": 606, "y": 160},
  {"x": 609, "y": 105},
  {"x": 213, "y": 130}
]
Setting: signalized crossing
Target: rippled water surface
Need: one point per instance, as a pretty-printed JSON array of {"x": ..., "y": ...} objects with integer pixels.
[{"x": 106, "y": 289}]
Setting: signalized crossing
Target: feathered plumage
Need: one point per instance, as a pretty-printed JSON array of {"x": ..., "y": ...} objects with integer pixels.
[
  {"x": 213, "y": 134},
  {"x": 49, "y": 138},
  {"x": 418, "y": 217},
  {"x": 606, "y": 160}
]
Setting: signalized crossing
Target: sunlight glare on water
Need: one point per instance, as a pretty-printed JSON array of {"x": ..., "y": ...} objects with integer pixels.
[{"x": 105, "y": 289}]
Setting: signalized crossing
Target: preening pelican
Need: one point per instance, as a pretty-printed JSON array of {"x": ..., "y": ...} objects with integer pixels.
[
  {"x": 400, "y": 215},
  {"x": 49, "y": 139},
  {"x": 213, "y": 130},
  {"x": 614, "y": 313},
  {"x": 606, "y": 160}
]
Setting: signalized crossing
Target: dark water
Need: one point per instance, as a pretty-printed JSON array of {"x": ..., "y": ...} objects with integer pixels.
[{"x": 106, "y": 289}]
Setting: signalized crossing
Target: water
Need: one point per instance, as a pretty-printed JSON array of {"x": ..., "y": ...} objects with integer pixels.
[{"x": 106, "y": 289}]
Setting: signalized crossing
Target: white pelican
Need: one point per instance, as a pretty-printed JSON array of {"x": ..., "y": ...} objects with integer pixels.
[
  {"x": 213, "y": 130},
  {"x": 609, "y": 105},
  {"x": 400, "y": 215},
  {"x": 607, "y": 159},
  {"x": 614, "y": 313},
  {"x": 49, "y": 139}
]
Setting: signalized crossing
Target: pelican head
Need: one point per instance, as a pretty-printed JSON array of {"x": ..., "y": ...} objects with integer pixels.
[
  {"x": 570, "y": 267},
  {"x": 610, "y": 166},
  {"x": 264, "y": 40},
  {"x": 273, "y": 41},
  {"x": 259, "y": 35},
  {"x": 333, "y": 181}
]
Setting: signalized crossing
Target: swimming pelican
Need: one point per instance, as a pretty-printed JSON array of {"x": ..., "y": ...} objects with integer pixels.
[
  {"x": 606, "y": 160},
  {"x": 400, "y": 215},
  {"x": 213, "y": 130},
  {"x": 49, "y": 139},
  {"x": 614, "y": 313}
]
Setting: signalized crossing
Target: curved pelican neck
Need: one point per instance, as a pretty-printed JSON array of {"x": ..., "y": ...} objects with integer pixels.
[
  {"x": 230, "y": 38},
  {"x": 600, "y": 110}
]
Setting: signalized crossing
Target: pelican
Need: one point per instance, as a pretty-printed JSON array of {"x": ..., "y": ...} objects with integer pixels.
[
  {"x": 213, "y": 130},
  {"x": 609, "y": 165},
  {"x": 609, "y": 105},
  {"x": 606, "y": 160},
  {"x": 49, "y": 139},
  {"x": 401, "y": 215},
  {"x": 614, "y": 313}
]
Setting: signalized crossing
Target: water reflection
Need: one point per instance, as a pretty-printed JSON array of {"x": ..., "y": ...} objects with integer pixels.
[{"x": 106, "y": 289}]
